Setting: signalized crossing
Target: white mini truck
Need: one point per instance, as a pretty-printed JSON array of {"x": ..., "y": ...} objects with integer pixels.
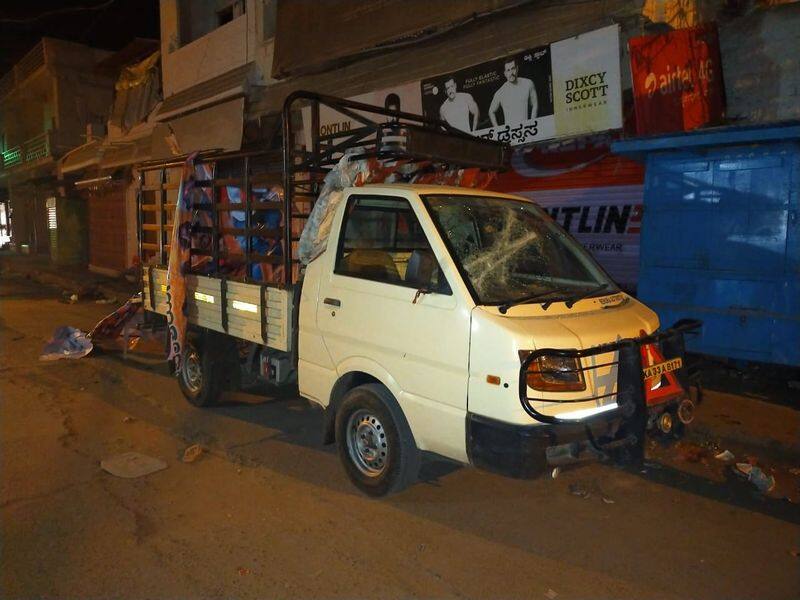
[{"x": 453, "y": 321}]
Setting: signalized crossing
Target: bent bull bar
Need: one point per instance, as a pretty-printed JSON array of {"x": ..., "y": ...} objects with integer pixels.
[{"x": 630, "y": 395}]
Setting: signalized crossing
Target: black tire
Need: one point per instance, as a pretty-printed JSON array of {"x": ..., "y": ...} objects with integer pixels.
[
  {"x": 387, "y": 459},
  {"x": 201, "y": 374}
]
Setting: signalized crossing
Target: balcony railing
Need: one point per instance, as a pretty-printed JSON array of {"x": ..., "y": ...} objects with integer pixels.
[
  {"x": 37, "y": 147},
  {"x": 12, "y": 157},
  {"x": 30, "y": 151}
]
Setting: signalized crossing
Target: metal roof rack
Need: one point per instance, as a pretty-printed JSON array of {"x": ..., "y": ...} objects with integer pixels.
[{"x": 379, "y": 133}]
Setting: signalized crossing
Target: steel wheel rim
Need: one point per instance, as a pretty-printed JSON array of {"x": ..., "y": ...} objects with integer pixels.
[
  {"x": 367, "y": 443},
  {"x": 191, "y": 372}
]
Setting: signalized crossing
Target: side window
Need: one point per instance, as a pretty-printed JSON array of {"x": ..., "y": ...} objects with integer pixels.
[{"x": 382, "y": 240}]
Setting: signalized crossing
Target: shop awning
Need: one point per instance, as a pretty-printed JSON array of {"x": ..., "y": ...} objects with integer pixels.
[
  {"x": 104, "y": 155},
  {"x": 714, "y": 136},
  {"x": 80, "y": 158},
  {"x": 128, "y": 153},
  {"x": 234, "y": 83},
  {"x": 218, "y": 127}
]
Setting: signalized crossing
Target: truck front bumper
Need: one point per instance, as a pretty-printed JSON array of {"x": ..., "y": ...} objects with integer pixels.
[{"x": 526, "y": 451}]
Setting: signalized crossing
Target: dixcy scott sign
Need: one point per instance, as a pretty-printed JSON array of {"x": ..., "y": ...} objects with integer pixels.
[{"x": 566, "y": 88}]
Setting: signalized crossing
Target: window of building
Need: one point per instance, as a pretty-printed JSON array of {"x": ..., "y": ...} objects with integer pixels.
[
  {"x": 52, "y": 220},
  {"x": 383, "y": 241},
  {"x": 200, "y": 17},
  {"x": 228, "y": 13},
  {"x": 270, "y": 14}
]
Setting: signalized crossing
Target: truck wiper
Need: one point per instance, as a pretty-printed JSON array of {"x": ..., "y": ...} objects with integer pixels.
[
  {"x": 573, "y": 299},
  {"x": 503, "y": 308}
]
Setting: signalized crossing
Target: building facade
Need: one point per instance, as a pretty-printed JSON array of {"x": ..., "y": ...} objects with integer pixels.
[
  {"x": 229, "y": 65},
  {"x": 216, "y": 61},
  {"x": 101, "y": 171},
  {"x": 49, "y": 103}
]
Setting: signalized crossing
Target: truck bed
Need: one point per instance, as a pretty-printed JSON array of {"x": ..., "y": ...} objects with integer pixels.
[{"x": 248, "y": 311}]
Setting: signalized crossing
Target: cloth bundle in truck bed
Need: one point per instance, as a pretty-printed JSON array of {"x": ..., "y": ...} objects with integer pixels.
[{"x": 356, "y": 172}]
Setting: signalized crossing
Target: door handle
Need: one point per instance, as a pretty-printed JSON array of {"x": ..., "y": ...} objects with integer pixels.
[{"x": 332, "y": 301}]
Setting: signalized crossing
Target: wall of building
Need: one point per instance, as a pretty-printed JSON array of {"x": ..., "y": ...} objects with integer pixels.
[
  {"x": 82, "y": 100},
  {"x": 511, "y": 31},
  {"x": 82, "y": 95},
  {"x": 243, "y": 40},
  {"x": 64, "y": 95},
  {"x": 761, "y": 65},
  {"x": 760, "y": 51},
  {"x": 29, "y": 111}
]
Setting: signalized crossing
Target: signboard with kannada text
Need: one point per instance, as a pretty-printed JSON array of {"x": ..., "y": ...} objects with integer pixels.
[{"x": 567, "y": 88}]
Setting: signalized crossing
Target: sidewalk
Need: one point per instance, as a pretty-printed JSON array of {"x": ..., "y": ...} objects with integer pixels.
[
  {"x": 70, "y": 280},
  {"x": 753, "y": 425},
  {"x": 722, "y": 418}
]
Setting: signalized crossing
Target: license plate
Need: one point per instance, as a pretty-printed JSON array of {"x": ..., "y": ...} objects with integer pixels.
[{"x": 661, "y": 368}]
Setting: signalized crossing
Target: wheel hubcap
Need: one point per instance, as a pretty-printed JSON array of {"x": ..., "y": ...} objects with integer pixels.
[
  {"x": 367, "y": 443},
  {"x": 191, "y": 372}
]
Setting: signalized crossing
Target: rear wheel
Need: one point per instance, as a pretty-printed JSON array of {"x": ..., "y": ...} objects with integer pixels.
[
  {"x": 375, "y": 443},
  {"x": 201, "y": 373}
]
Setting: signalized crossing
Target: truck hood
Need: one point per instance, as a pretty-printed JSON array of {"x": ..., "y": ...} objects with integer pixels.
[
  {"x": 581, "y": 329},
  {"x": 497, "y": 339}
]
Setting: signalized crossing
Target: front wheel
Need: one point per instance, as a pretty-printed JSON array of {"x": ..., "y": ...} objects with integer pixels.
[{"x": 374, "y": 441}]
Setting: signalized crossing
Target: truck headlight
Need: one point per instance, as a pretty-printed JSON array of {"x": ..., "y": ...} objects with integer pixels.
[{"x": 551, "y": 373}]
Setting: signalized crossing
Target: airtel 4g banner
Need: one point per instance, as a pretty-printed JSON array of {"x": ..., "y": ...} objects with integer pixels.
[
  {"x": 566, "y": 88},
  {"x": 677, "y": 80}
]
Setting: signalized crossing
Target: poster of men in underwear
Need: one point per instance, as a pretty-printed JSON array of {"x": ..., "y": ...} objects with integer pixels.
[
  {"x": 508, "y": 97},
  {"x": 566, "y": 88}
]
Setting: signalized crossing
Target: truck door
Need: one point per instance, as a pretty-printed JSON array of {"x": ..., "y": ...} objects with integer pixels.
[{"x": 385, "y": 305}]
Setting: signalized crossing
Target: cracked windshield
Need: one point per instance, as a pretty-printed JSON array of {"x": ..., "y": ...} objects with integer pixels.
[{"x": 512, "y": 251}]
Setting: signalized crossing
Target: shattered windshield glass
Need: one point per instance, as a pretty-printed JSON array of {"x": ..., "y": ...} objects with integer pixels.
[{"x": 509, "y": 250}]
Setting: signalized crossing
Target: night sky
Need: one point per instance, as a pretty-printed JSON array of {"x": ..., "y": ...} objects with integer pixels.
[{"x": 107, "y": 24}]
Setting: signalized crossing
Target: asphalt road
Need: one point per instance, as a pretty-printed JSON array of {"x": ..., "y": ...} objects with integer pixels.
[{"x": 268, "y": 512}]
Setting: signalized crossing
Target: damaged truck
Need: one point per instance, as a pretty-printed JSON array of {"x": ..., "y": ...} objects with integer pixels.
[{"x": 372, "y": 269}]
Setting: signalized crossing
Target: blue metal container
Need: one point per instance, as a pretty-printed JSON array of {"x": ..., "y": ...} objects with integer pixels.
[{"x": 720, "y": 237}]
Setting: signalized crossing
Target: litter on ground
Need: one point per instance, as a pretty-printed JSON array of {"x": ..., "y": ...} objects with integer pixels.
[
  {"x": 67, "y": 342},
  {"x": 577, "y": 489},
  {"x": 192, "y": 453},
  {"x": 762, "y": 481},
  {"x": 131, "y": 465},
  {"x": 726, "y": 456}
]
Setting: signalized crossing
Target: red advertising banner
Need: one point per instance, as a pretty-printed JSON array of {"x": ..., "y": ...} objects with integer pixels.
[{"x": 677, "y": 80}]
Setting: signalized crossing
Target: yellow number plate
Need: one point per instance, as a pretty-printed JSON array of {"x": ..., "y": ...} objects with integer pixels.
[{"x": 661, "y": 368}]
